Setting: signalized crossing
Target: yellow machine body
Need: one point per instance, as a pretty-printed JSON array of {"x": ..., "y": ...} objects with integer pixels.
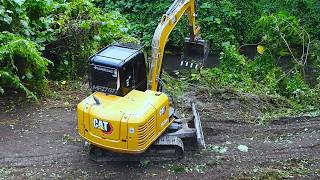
[{"x": 128, "y": 124}]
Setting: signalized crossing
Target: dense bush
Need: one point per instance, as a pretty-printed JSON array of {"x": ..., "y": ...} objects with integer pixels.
[
  {"x": 84, "y": 29},
  {"x": 287, "y": 32},
  {"x": 37, "y": 32},
  {"x": 29, "y": 18},
  {"x": 21, "y": 65},
  {"x": 143, "y": 16},
  {"x": 260, "y": 75},
  {"x": 221, "y": 21},
  {"x": 66, "y": 32}
]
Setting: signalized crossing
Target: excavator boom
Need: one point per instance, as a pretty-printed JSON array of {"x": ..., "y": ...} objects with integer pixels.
[{"x": 168, "y": 22}]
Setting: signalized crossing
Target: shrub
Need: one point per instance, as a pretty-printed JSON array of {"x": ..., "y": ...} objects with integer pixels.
[
  {"x": 21, "y": 65},
  {"x": 84, "y": 29}
]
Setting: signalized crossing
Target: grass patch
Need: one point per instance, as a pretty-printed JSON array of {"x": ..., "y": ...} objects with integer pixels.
[
  {"x": 292, "y": 168},
  {"x": 5, "y": 173},
  {"x": 69, "y": 139},
  {"x": 181, "y": 168}
]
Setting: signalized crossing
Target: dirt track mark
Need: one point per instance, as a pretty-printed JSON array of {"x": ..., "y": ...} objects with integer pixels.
[
  {"x": 33, "y": 139},
  {"x": 281, "y": 140}
]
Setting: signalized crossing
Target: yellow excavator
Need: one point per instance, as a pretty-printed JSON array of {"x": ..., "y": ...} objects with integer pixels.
[{"x": 128, "y": 117}]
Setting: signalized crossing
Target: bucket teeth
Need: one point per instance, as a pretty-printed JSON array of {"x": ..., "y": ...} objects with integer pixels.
[{"x": 189, "y": 65}]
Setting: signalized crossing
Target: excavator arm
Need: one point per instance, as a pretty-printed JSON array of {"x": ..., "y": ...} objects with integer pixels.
[{"x": 163, "y": 30}]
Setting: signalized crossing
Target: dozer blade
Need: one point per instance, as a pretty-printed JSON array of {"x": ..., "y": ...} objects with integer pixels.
[
  {"x": 189, "y": 128},
  {"x": 195, "y": 53},
  {"x": 198, "y": 127}
]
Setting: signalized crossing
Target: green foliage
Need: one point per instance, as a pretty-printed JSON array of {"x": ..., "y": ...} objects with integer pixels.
[
  {"x": 291, "y": 168},
  {"x": 236, "y": 71},
  {"x": 221, "y": 21},
  {"x": 84, "y": 29},
  {"x": 231, "y": 70},
  {"x": 282, "y": 31},
  {"x": 143, "y": 16},
  {"x": 284, "y": 36},
  {"x": 305, "y": 10},
  {"x": 5, "y": 173},
  {"x": 29, "y": 18},
  {"x": 21, "y": 65},
  {"x": 315, "y": 61},
  {"x": 261, "y": 76},
  {"x": 67, "y": 32}
]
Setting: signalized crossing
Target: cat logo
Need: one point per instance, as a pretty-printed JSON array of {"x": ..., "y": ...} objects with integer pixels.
[{"x": 105, "y": 127}]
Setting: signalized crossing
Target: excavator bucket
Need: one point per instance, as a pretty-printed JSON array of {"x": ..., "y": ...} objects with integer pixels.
[{"x": 195, "y": 53}]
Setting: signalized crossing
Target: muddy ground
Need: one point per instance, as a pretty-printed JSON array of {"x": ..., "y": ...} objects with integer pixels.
[{"x": 41, "y": 141}]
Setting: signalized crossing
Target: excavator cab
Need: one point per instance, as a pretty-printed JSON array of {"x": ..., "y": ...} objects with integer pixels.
[{"x": 118, "y": 69}]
